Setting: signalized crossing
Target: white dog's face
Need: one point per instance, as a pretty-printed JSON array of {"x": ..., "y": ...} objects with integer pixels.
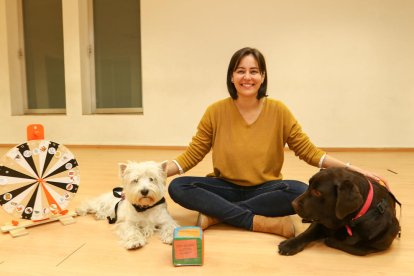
[{"x": 144, "y": 182}]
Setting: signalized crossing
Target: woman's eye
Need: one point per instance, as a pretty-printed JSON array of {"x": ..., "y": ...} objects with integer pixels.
[{"x": 135, "y": 181}]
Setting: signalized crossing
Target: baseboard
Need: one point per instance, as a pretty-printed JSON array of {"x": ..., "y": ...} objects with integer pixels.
[
  {"x": 146, "y": 147},
  {"x": 113, "y": 147}
]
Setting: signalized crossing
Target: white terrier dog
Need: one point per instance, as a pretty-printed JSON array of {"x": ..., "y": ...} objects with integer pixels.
[{"x": 142, "y": 208}]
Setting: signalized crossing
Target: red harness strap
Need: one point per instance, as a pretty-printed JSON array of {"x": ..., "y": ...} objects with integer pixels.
[{"x": 364, "y": 208}]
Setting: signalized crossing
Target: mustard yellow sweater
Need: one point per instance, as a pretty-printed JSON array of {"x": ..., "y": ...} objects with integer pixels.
[{"x": 248, "y": 154}]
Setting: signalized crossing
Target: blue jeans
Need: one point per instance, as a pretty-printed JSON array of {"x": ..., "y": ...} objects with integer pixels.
[{"x": 235, "y": 204}]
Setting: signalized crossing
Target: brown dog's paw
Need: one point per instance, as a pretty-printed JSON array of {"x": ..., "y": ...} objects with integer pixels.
[{"x": 290, "y": 247}]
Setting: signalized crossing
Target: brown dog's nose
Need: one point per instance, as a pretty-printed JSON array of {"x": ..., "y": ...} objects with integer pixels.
[{"x": 144, "y": 192}]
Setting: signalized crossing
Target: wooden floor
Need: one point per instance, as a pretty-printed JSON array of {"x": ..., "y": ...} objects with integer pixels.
[{"x": 90, "y": 247}]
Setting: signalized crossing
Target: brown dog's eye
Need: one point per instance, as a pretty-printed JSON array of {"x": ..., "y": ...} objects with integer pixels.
[{"x": 315, "y": 193}]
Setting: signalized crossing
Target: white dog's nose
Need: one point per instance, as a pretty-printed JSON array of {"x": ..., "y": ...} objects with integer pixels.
[{"x": 144, "y": 192}]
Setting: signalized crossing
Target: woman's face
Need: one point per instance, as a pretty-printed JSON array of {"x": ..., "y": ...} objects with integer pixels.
[{"x": 247, "y": 77}]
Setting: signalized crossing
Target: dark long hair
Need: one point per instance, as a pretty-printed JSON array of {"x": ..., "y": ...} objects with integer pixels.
[{"x": 234, "y": 63}]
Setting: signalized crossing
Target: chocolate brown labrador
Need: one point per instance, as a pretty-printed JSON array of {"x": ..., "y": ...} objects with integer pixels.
[{"x": 348, "y": 211}]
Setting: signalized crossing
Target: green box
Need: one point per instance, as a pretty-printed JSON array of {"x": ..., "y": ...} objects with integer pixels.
[{"x": 188, "y": 246}]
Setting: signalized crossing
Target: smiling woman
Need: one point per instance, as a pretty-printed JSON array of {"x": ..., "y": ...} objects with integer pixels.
[
  {"x": 248, "y": 68},
  {"x": 248, "y": 83},
  {"x": 247, "y": 77},
  {"x": 247, "y": 134}
]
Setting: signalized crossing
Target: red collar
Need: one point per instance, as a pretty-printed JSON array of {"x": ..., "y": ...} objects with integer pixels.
[{"x": 364, "y": 208}]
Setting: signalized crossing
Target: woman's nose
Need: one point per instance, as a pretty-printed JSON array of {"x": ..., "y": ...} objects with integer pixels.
[{"x": 247, "y": 76}]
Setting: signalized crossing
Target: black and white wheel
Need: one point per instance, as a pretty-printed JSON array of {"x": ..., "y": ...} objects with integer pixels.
[{"x": 38, "y": 179}]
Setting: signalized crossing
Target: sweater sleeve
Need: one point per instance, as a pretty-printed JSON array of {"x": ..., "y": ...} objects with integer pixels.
[
  {"x": 200, "y": 144},
  {"x": 299, "y": 142}
]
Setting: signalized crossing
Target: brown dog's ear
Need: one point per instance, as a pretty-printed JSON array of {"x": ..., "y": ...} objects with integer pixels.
[{"x": 348, "y": 200}]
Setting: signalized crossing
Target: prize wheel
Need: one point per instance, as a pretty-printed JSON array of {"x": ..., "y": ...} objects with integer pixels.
[{"x": 38, "y": 179}]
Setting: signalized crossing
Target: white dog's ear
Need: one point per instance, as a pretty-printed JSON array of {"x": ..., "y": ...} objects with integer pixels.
[
  {"x": 163, "y": 165},
  {"x": 122, "y": 168}
]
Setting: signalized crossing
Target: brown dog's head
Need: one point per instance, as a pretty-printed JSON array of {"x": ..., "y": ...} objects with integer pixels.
[{"x": 333, "y": 194}]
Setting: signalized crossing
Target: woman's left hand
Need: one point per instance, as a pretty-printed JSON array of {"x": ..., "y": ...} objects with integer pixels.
[
  {"x": 330, "y": 161},
  {"x": 370, "y": 175}
]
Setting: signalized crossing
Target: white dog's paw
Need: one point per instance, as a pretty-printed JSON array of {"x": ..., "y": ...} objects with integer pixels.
[
  {"x": 167, "y": 238},
  {"x": 134, "y": 243},
  {"x": 147, "y": 231},
  {"x": 86, "y": 207},
  {"x": 100, "y": 215},
  {"x": 81, "y": 211},
  {"x": 167, "y": 234}
]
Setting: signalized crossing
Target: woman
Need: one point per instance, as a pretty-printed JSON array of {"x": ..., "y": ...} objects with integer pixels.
[{"x": 247, "y": 133}]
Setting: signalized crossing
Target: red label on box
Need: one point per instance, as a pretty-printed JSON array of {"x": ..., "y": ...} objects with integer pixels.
[{"x": 185, "y": 249}]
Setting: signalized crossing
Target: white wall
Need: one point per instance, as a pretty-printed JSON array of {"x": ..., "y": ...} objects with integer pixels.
[{"x": 345, "y": 69}]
